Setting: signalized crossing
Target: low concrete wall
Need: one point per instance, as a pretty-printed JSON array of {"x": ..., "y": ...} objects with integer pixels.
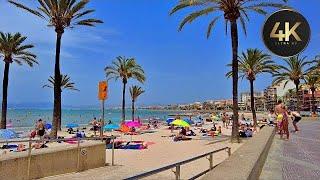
[
  {"x": 247, "y": 162},
  {"x": 53, "y": 161}
]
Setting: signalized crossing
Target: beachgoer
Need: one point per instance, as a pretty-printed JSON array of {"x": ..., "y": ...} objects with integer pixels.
[
  {"x": 40, "y": 128},
  {"x": 214, "y": 128},
  {"x": 95, "y": 125},
  {"x": 271, "y": 117},
  {"x": 224, "y": 119},
  {"x": 282, "y": 119},
  {"x": 183, "y": 131},
  {"x": 296, "y": 117}
]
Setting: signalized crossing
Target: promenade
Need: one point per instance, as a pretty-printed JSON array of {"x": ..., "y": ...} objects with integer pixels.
[{"x": 298, "y": 158}]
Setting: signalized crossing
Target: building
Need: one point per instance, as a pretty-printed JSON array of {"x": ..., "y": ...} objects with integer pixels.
[
  {"x": 245, "y": 100},
  {"x": 305, "y": 97},
  {"x": 270, "y": 95}
]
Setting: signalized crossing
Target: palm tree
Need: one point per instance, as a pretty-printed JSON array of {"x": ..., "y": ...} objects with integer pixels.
[
  {"x": 295, "y": 70},
  {"x": 125, "y": 68},
  {"x": 312, "y": 80},
  {"x": 65, "y": 84},
  {"x": 60, "y": 14},
  {"x": 251, "y": 64},
  {"x": 234, "y": 12},
  {"x": 135, "y": 92},
  {"x": 12, "y": 50}
]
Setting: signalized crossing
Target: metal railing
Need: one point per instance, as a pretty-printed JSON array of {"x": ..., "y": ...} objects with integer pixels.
[
  {"x": 177, "y": 166},
  {"x": 30, "y": 141}
]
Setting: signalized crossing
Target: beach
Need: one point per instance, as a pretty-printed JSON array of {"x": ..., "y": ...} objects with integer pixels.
[{"x": 161, "y": 150}]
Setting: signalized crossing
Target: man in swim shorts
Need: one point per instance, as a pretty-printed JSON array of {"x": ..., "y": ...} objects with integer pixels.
[{"x": 282, "y": 119}]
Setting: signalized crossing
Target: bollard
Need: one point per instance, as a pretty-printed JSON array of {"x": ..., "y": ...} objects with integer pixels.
[
  {"x": 29, "y": 159},
  {"x": 177, "y": 172},
  {"x": 78, "y": 161},
  {"x": 211, "y": 161},
  {"x": 112, "y": 157}
]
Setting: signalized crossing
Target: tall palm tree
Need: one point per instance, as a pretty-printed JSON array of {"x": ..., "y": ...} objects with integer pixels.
[
  {"x": 125, "y": 68},
  {"x": 312, "y": 80},
  {"x": 251, "y": 64},
  {"x": 66, "y": 84},
  {"x": 295, "y": 70},
  {"x": 234, "y": 12},
  {"x": 12, "y": 50},
  {"x": 135, "y": 92},
  {"x": 60, "y": 14}
]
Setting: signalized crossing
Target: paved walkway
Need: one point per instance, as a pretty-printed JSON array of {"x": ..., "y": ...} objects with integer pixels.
[{"x": 298, "y": 158}]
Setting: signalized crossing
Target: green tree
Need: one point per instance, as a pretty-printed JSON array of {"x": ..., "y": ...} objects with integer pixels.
[
  {"x": 60, "y": 14},
  {"x": 135, "y": 92},
  {"x": 294, "y": 70},
  {"x": 12, "y": 49},
  {"x": 125, "y": 68},
  {"x": 312, "y": 81},
  {"x": 234, "y": 12},
  {"x": 66, "y": 84},
  {"x": 251, "y": 64}
]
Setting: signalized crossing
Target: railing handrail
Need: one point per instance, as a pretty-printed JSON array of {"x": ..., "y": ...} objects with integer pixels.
[
  {"x": 56, "y": 140},
  {"x": 167, "y": 167}
]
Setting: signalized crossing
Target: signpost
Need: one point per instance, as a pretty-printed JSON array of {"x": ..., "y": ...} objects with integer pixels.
[{"x": 102, "y": 96}]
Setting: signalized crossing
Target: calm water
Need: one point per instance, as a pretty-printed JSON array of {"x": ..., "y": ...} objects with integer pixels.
[{"x": 27, "y": 117}]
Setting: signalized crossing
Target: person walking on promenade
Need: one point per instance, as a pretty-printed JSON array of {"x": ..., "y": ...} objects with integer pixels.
[
  {"x": 296, "y": 117},
  {"x": 282, "y": 119}
]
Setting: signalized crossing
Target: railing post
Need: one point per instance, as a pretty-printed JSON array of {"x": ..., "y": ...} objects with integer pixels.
[
  {"x": 29, "y": 159},
  {"x": 177, "y": 172},
  {"x": 229, "y": 151},
  {"x": 112, "y": 156},
  {"x": 78, "y": 160},
  {"x": 211, "y": 161}
]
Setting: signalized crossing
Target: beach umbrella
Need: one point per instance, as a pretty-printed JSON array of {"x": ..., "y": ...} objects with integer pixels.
[
  {"x": 188, "y": 121},
  {"x": 48, "y": 126},
  {"x": 72, "y": 125},
  {"x": 133, "y": 124},
  {"x": 180, "y": 122},
  {"x": 7, "y": 134},
  {"x": 110, "y": 127},
  {"x": 169, "y": 120}
]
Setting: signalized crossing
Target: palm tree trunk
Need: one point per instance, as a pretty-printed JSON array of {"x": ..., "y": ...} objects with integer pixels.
[
  {"x": 297, "y": 96},
  {"x": 253, "y": 109},
  {"x": 57, "y": 88},
  {"x": 313, "y": 102},
  {"x": 234, "y": 38},
  {"x": 124, "y": 100},
  {"x": 132, "y": 110},
  {"x": 5, "y": 95}
]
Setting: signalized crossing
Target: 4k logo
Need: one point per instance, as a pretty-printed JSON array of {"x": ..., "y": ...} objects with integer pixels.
[{"x": 288, "y": 32}]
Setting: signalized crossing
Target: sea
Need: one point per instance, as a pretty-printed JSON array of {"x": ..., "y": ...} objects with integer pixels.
[{"x": 26, "y": 118}]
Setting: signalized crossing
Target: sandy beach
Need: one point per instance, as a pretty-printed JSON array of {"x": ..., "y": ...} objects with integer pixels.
[{"x": 161, "y": 151}]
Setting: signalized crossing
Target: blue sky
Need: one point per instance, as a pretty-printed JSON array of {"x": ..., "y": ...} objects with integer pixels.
[{"x": 180, "y": 66}]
